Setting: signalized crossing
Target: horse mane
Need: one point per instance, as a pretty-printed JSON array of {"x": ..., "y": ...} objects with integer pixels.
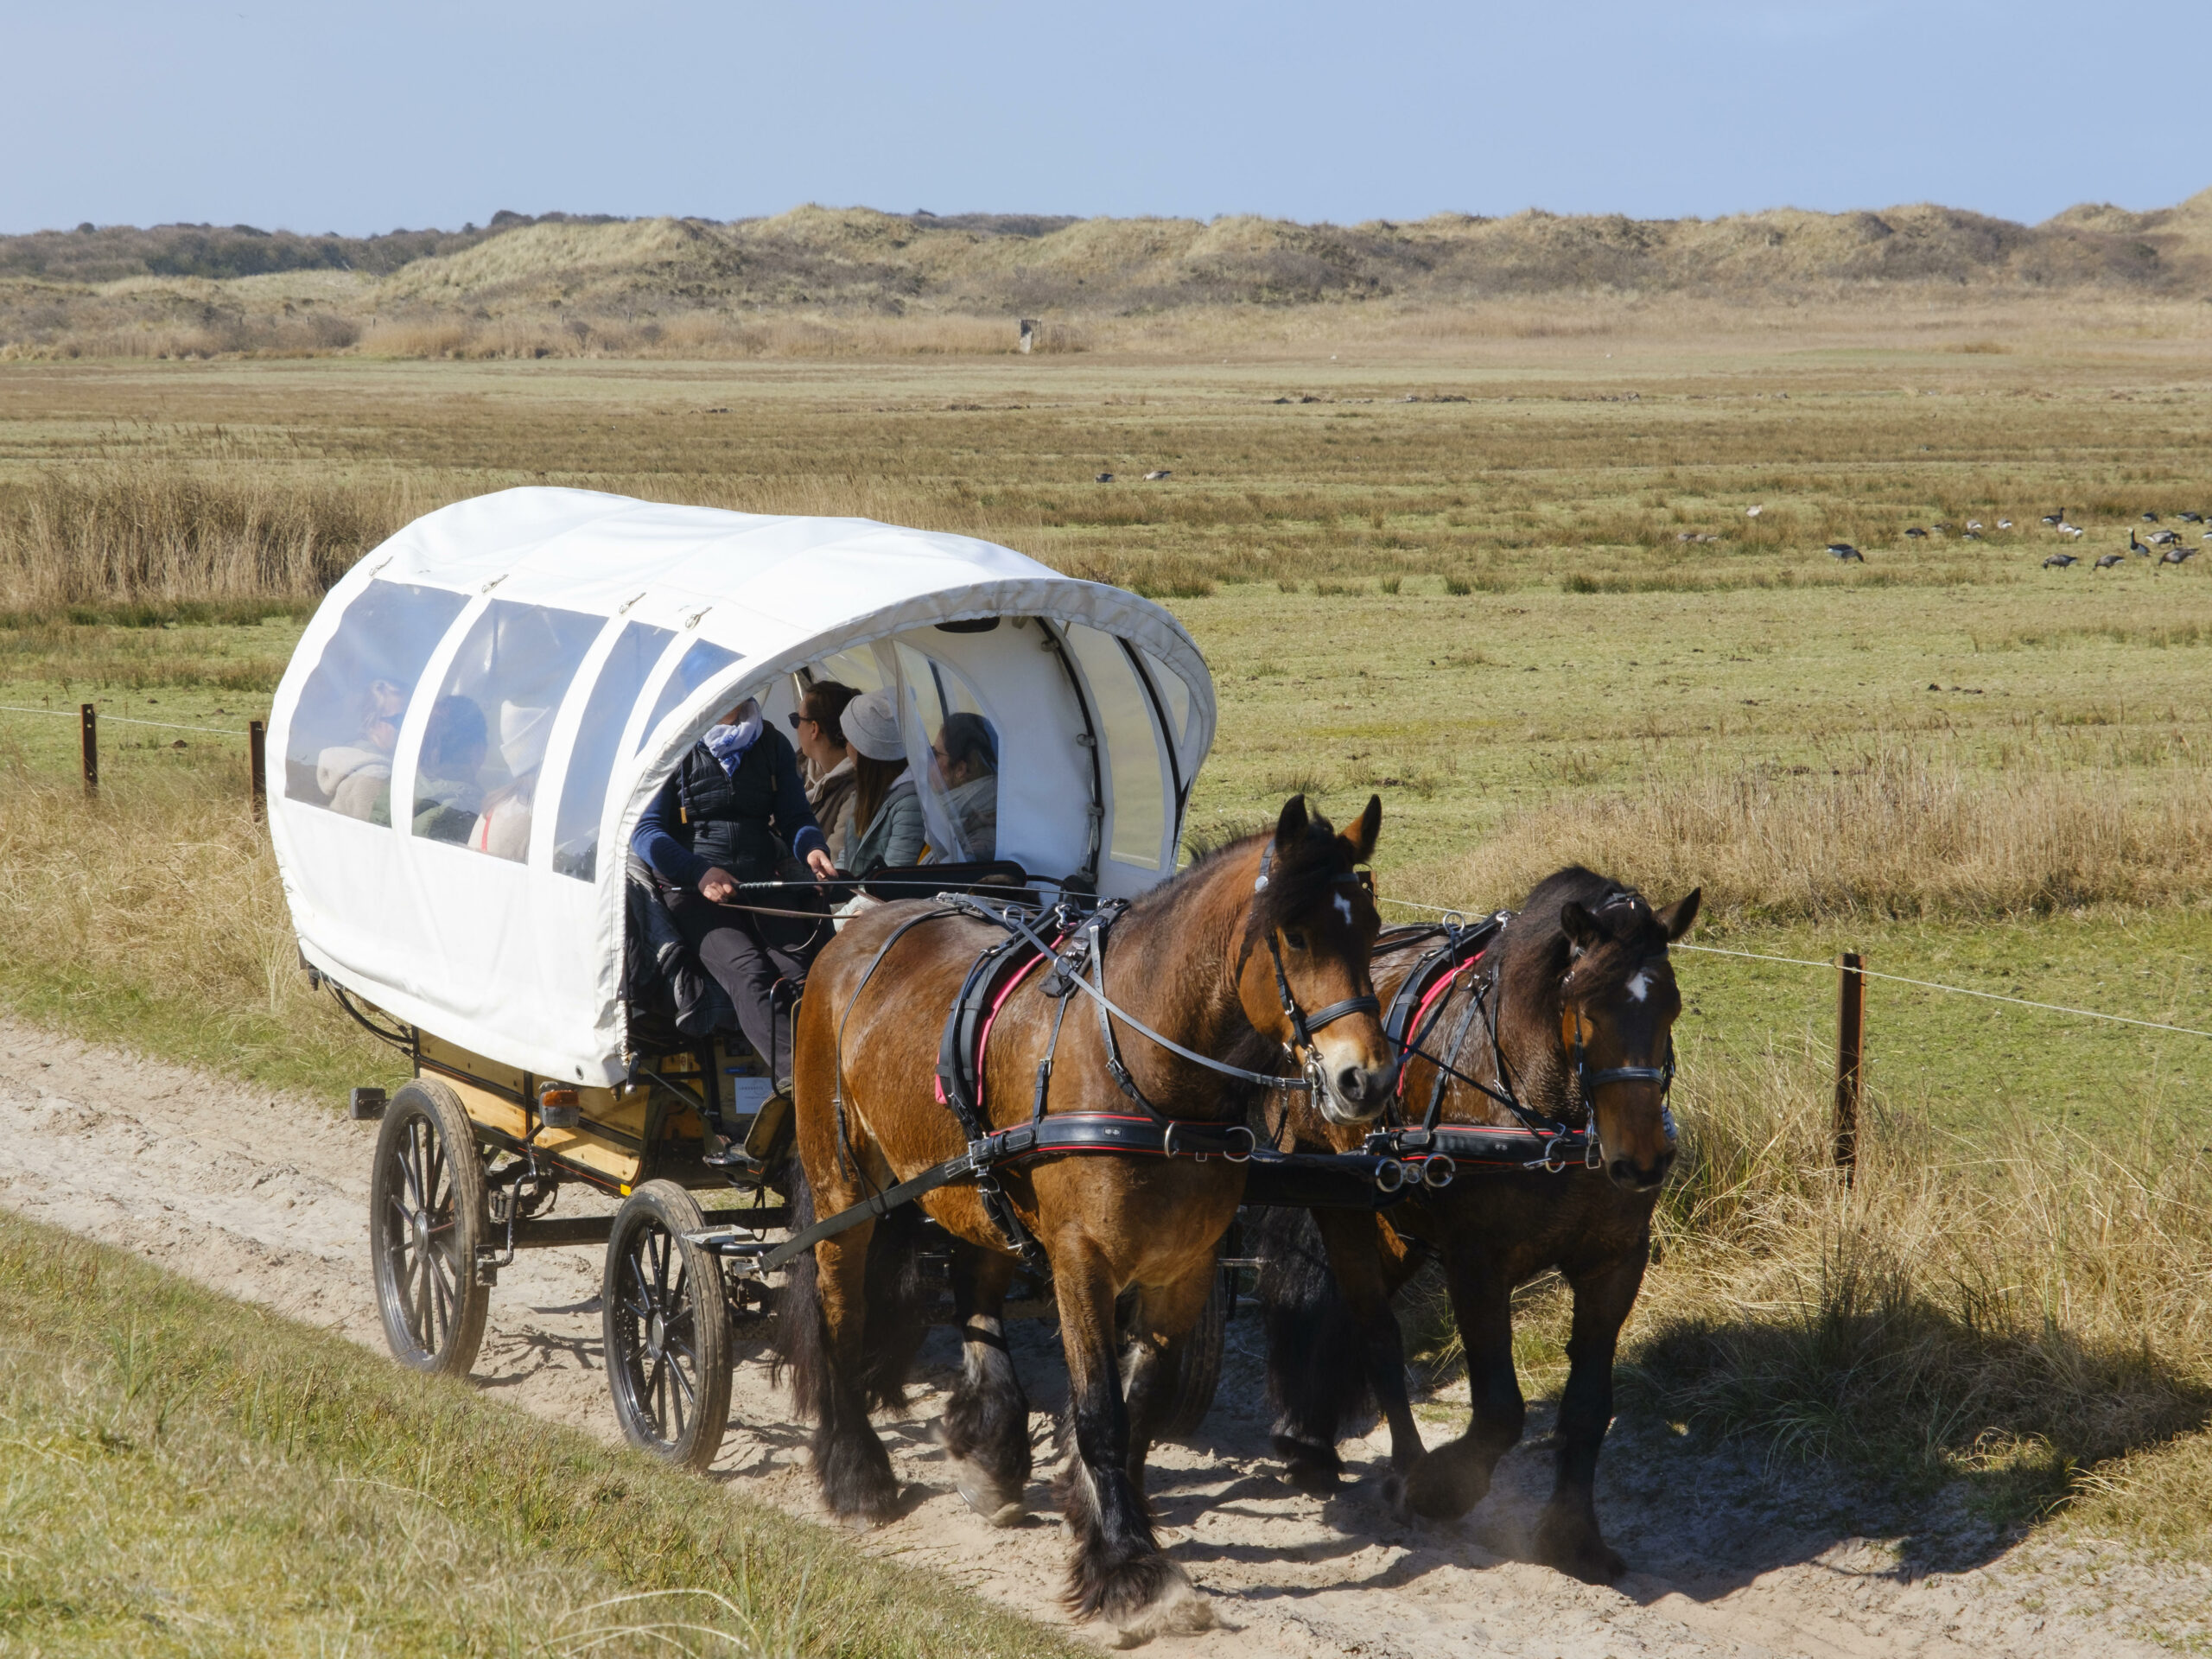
[
  {"x": 1535, "y": 943},
  {"x": 1298, "y": 881}
]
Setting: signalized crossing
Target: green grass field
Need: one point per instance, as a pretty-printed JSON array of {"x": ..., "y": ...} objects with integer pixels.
[
  {"x": 181, "y": 1473},
  {"x": 1974, "y": 769}
]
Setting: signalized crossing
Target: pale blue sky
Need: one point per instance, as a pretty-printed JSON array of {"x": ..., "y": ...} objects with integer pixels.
[{"x": 366, "y": 118}]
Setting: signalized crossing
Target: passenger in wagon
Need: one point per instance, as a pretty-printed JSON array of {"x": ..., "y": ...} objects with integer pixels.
[
  {"x": 965, "y": 762},
  {"x": 735, "y": 812},
  {"x": 503, "y": 828},
  {"x": 355, "y": 778},
  {"x": 828, "y": 760},
  {"x": 448, "y": 796},
  {"x": 887, "y": 826}
]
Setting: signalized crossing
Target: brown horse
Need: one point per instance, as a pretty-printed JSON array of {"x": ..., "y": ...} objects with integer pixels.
[
  {"x": 1197, "y": 959},
  {"x": 1576, "y": 988}
]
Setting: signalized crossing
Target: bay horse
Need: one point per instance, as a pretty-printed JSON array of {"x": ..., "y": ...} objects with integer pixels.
[
  {"x": 1574, "y": 991},
  {"x": 1225, "y": 959}
]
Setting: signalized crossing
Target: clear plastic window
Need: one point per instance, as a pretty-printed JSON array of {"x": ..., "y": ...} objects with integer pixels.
[
  {"x": 591, "y": 763},
  {"x": 698, "y": 665},
  {"x": 1174, "y": 694},
  {"x": 338, "y": 753},
  {"x": 953, "y": 749},
  {"x": 1132, "y": 747},
  {"x": 476, "y": 774}
]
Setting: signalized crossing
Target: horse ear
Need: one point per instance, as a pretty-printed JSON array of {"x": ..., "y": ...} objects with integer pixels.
[
  {"x": 1677, "y": 917},
  {"x": 1291, "y": 827},
  {"x": 1361, "y": 836},
  {"x": 1579, "y": 924}
]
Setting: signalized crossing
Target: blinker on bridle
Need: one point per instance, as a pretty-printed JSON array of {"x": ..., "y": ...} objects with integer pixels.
[
  {"x": 1303, "y": 1025},
  {"x": 1587, "y": 1080}
]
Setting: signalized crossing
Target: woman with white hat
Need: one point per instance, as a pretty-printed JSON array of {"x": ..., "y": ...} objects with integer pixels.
[
  {"x": 887, "y": 826},
  {"x": 503, "y": 828},
  {"x": 736, "y": 811}
]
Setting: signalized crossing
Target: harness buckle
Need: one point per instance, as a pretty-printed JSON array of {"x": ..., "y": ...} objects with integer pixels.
[
  {"x": 1389, "y": 1175},
  {"x": 1437, "y": 1171},
  {"x": 1593, "y": 1154}
]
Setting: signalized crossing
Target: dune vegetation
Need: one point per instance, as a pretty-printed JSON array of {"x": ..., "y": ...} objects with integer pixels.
[{"x": 822, "y": 281}]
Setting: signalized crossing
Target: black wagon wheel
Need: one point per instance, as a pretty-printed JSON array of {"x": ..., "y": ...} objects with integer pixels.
[
  {"x": 1199, "y": 1374},
  {"x": 667, "y": 1323},
  {"x": 426, "y": 1220}
]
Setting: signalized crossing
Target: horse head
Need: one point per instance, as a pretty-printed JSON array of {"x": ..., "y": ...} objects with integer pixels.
[
  {"x": 1618, "y": 1008},
  {"x": 1302, "y": 974}
]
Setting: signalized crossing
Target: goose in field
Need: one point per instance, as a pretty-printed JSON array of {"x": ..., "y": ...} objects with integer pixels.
[
  {"x": 1843, "y": 552},
  {"x": 1973, "y": 523},
  {"x": 2164, "y": 538},
  {"x": 1753, "y": 512},
  {"x": 2136, "y": 547},
  {"x": 2059, "y": 560},
  {"x": 1971, "y": 536},
  {"x": 2177, "y": 555},
  {"x": 2004, "y": 524},
  {"x": 1917, "y": 533},
  {"x": 2065, "y": 529},
  {"x": 2106, "y": 561},
  {"x": 1105, "y": 478},
  {"x": 2054, "y": 519},
  {"x": 2149, "y": 517},
  {"x": 1941, "y": 526},
  {"x": 2190, "y": 518},
  {"x": 1156, "y": 475}
]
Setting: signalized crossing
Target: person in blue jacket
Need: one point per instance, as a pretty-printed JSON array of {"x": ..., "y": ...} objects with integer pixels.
[{"x": 734, "y": 811}]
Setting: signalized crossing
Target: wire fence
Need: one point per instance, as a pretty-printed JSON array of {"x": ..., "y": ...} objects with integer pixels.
[
  {"x": 1899, "y": 979},
  {"x": 123, "y": 720}
]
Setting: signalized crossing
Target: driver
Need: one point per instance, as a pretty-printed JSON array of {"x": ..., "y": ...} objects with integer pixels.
[{"x": 735, "y": 812}]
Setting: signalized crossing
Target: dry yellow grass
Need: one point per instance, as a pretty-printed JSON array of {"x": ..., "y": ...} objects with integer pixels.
[
  {"x": 1904, "y": 833},
  {"x": 2020, "y": 1309}
]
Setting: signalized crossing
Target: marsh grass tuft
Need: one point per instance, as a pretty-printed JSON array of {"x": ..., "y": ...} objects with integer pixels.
[{"x": 1907, "y": 832}]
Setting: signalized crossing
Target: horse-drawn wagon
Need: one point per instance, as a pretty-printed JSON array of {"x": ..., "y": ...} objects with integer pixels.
[{"x": 522, "y": 671}]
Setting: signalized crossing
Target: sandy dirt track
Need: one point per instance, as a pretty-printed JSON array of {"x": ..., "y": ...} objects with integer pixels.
[{"x": 265, "y": 1197}]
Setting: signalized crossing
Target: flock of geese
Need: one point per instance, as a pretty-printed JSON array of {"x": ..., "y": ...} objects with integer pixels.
[{"x": 2165, "y": 546}]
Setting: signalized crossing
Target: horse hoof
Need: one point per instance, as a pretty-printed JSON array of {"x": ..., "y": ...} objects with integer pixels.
[
  {"x": 994, "y": 1506},
  {"x": 1313, "y": 1469},
  {"x": 1442, "y": 1487},
  {"x": 1393, "y": 1494},
  {"x": 1573, "y": 1547},
  {"x": 1180, "y": 1609}
]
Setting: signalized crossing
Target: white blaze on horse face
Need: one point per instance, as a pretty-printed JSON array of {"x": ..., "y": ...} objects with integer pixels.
[
  {"x": 1639, "y": 987},
  {"x": 1343, "y": 908}
]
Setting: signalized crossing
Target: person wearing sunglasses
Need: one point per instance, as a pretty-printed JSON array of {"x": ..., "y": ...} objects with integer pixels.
[{"x": 830, "y": 774}]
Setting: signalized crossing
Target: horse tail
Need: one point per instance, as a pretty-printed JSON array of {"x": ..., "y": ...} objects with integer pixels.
[
  {"x": 898, "y": 1308},
  {"x": 802, "y": 1345},
  {"x": 1317, "y": 1370},
  {"x": 896, "y": 1320}
]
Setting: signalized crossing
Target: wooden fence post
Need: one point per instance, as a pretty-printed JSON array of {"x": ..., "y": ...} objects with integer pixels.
[
  {"x": 256, "y": 743},
  {"x": 92, "y": 742},
  {"x": 1850, "y": 1057}
]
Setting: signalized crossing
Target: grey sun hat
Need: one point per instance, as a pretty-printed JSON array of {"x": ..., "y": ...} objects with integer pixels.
[{"x": 870, "y": 726}]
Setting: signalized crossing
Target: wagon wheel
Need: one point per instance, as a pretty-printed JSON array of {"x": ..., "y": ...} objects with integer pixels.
[
  {"x": 1199, "y": 1374},
  {"x": 667, "y": 1324},
  {"x": 426, "y": 1220}
]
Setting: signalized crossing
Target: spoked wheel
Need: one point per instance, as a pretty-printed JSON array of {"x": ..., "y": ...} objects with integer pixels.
[
  {"x": 1199, "y": 1375},
  {"x": 667, "y": 1328},
  {"x": 425, "y": 1219}
]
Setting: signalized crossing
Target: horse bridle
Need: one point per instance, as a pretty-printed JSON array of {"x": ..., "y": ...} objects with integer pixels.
[
  {"x": 1587, "y": 1081},
  {"x": 1302, "y": 1025}
]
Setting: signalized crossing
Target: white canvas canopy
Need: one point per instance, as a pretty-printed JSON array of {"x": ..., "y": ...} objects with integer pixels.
[{"x": 525, "y": 669}]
